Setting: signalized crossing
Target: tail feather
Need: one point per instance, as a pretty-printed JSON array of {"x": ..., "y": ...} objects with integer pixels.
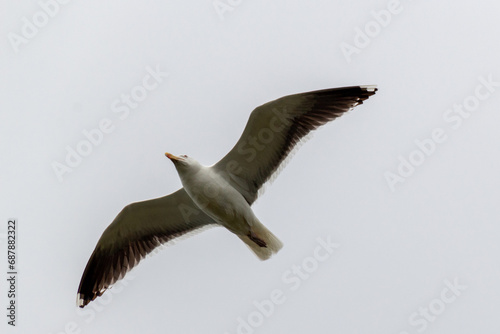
[{"x": 262, "y": 241}]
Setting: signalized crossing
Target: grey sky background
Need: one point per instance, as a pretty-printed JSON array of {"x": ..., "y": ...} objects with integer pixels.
[{"x": 400, "y": 247}]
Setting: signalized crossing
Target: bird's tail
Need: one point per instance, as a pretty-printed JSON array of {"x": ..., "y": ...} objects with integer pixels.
[{"x": 261, "y": 241}]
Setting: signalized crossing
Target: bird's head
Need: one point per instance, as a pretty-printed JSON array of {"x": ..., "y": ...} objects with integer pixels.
[{"x": 183, "y": 163}]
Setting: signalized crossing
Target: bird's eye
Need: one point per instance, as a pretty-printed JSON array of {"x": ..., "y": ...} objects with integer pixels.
[{"x": 184, "y": 156}]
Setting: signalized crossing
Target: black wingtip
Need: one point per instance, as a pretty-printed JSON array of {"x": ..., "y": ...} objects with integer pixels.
[
  {"x": 368, "y": 91},
  {"x": 83, "y": 299}
]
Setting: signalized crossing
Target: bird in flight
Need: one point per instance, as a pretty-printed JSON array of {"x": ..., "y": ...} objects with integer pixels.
[{"x": 221, "y": 194}]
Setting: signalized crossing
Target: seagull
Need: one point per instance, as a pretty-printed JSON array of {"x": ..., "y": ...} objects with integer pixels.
[{"x": 221, "y": 194}]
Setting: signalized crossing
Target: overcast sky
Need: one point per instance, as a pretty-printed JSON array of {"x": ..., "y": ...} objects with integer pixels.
[{"x": 388, "y": 215}]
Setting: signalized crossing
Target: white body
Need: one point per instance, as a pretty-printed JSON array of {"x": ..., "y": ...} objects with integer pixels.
[
  {"x": 226, "y": 205},
  {"x": 217, "y": 198}
]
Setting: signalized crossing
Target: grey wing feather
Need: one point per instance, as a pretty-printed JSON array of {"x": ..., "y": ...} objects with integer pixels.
[
  {"x": 276, "y": 127},
  {"x": 137, "y": 230}
]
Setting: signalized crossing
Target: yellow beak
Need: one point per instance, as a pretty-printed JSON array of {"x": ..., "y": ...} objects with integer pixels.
[{"x": 171, "y": 156}]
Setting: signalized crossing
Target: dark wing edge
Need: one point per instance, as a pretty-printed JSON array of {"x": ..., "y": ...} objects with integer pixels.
[
  {"x": 250, "y": 163},
  {"x": 135, "y": 232}
]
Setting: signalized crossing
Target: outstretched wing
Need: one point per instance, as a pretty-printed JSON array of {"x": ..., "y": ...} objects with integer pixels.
[
  {"x": 274, "y": 128},
  {"x": 137, "y": 230}
]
